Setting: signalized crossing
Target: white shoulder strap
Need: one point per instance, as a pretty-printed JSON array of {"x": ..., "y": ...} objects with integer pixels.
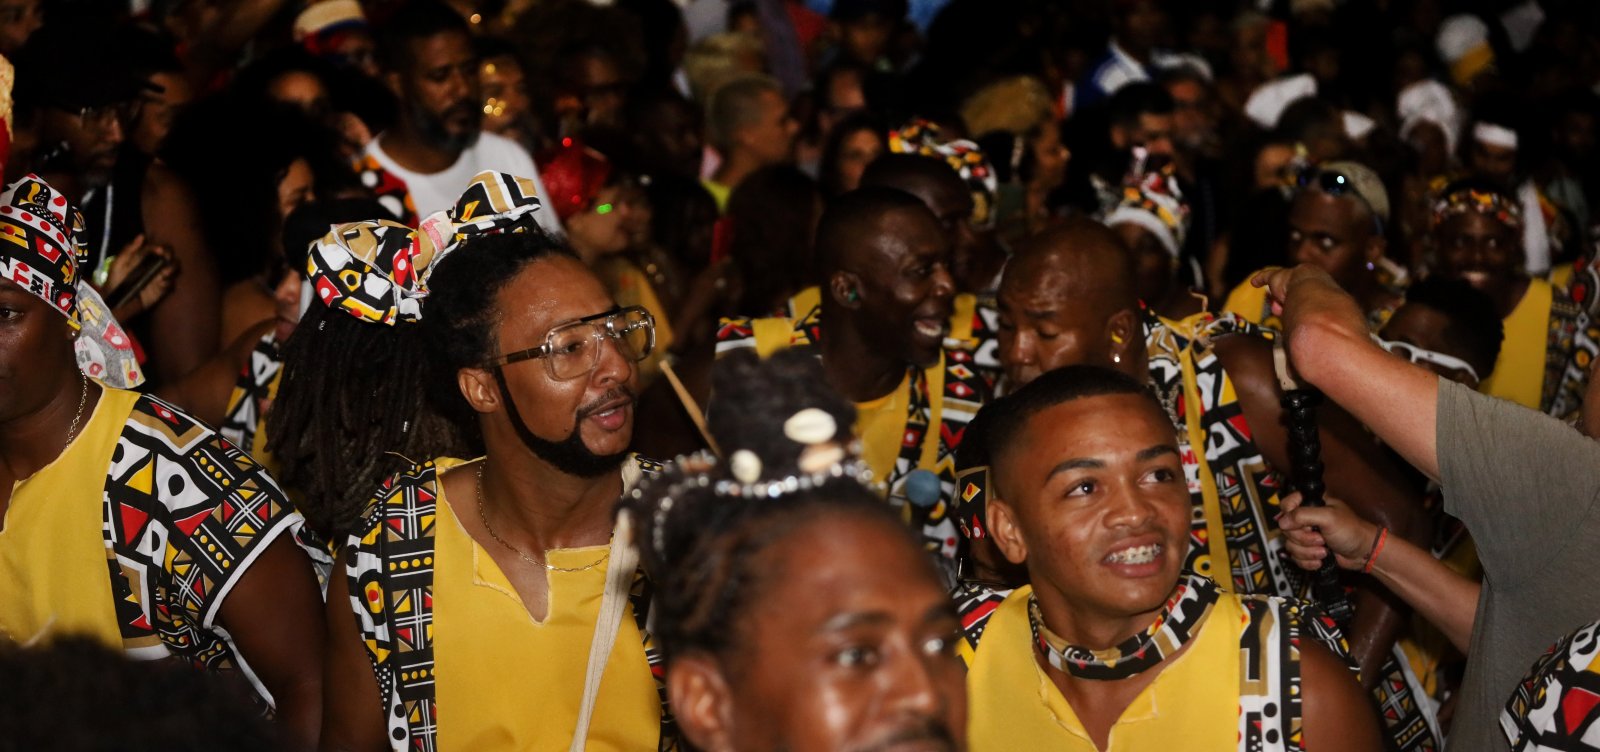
[{"x": 624, "y": 559}]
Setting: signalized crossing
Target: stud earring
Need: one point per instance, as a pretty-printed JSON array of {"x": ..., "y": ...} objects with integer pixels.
[
  {"x": 852, "y": 296},
  {"x": 1116, "y": 359}
]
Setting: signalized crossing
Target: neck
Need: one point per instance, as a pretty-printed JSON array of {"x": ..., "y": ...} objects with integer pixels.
[
  {"x": 1091, "y": 628},
  {"x": 406, "y": 146},
  {"x": 734, "y": 169},
  {"x": 853, "y": 366},
  {"x": 542, "y": 507},
  {"x": 29, "y": 442}
]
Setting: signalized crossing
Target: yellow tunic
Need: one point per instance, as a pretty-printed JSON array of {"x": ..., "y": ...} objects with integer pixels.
[
  {"x": 1192, "y": 705},
  {"x": 54, "y": 576},
  {"x": 1250, "y": 303},
  {"x": 1519, "y": 373},
  {"x": 507, "y": 682},
  {"x": 880, "y": 423}
]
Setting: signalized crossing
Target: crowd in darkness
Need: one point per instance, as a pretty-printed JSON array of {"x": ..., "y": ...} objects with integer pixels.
[{"x": 799, "y": 375}]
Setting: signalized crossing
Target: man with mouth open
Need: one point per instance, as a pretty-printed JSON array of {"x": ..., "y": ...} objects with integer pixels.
[
  {"x": 879, "y": 329},
  {"x": 1115, "y": 646},
  {"x": 498, "y": 571},
  {"x": 437, "y": 144}
]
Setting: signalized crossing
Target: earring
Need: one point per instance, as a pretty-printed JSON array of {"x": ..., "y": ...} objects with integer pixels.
[
  {"x": 1116, "y": 359},
  {"x": 1117, "y": 338},
  {"x": 1371, "y": 266},
  {"x": 852, "y": 296}
]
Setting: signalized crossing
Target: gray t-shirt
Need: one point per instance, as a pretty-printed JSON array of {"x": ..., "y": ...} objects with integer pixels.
[{"x": 1526, "y": 486}]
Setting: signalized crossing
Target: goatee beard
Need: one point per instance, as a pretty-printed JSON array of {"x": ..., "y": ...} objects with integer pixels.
[
  {"x": 432, "y": 129},
  {"x": 569, "y": 455}
]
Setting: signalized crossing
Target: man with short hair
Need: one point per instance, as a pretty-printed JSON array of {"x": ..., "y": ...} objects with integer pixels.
[
  {"x": 879, "y": 329},
  {"x": 437, "y": 144},
  {"x": 749, "y": 124},
  {"x": 1114, "y": 646},
  {"x": 1068, "y": 298},
  {"x": 1336, "y": 221},
  {"x": 1131, "y": 55}
]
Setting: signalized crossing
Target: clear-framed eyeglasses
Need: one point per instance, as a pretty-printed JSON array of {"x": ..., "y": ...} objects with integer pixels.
[
  {"x": 573, "y": 349},
  {"x": 1423, "y": 356}
]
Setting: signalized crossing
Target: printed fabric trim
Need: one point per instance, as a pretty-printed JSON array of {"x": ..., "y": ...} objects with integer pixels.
[
  {"x": 1556, "y": 706},
  {"x": 390, "y": 576},
  {"x": 1178, "y": 622}
]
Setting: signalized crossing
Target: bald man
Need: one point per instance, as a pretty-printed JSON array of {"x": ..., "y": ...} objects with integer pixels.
[
  {"x": 976, "y": 258},
  {"x": 879, "y": 328},
  {"x": 1067, "y": 297}
]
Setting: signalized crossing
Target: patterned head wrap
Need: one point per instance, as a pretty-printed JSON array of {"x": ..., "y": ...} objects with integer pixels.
[
  {"x": 922, "y": 137},
  {"x": 1151, "y": 199},
  {"x": 42, "y": 257},
  {"x": 377, "y": 270},
  {"x": 1500, "y": 207}
]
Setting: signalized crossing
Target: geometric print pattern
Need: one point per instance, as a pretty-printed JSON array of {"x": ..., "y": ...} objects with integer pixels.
[
  {"x": 1247, "y": 492},
  {"x": 242, "y": 422},
  {"x": 390, "y": 576},
  {"x": 186, "y": 513},
  {"x": 1556, "y": 708},
  {"x": 955, "y": 390}
]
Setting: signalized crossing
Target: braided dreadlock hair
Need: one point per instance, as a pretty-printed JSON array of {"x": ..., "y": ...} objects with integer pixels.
[
  {"x": 351, "y": 411},
  {"x": 703, "y": 525}
]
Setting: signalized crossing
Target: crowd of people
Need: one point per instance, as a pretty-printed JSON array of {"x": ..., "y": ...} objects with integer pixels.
[{"x": 1099, "y": 375}]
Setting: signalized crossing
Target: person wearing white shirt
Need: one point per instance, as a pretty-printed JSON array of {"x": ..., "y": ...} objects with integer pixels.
[{"x": 438, "y": 144}]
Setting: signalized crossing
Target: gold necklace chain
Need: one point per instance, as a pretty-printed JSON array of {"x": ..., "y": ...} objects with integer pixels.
[
  {"x": 83, "y": 398},
  {"x": 484, "y": 517}
]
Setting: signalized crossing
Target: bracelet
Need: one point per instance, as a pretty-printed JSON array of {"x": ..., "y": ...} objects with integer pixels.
[{"x": 1377, "y": 548}]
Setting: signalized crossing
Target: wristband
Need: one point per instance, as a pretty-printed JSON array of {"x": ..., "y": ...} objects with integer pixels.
[{"x": 1377, "y": 548}]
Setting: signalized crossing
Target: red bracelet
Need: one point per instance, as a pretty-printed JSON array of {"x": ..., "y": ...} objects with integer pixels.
[{"x": 1377, "y": 548}]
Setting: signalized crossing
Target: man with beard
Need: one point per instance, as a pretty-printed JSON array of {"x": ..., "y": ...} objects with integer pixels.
[
  {"x": 1067, "y": 298},
  {"x": 1115, "y": 646},
  {"x": 505, "y": 571},
  {"x": 438, "y": 144},
  {"x": 879, "y": 329}
]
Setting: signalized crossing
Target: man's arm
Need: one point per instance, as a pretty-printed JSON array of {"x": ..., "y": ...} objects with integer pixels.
[
  {"x": 1357, "y": 470},
  {"x": 274, "y": 614},
  {"x": 1337, "y": 713},
  {"x": 1331, "y": 348}
]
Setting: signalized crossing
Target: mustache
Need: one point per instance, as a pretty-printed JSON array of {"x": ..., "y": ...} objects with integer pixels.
[
  {"x": 603, "y": 401},
  {"x": 922, "y": 730}
]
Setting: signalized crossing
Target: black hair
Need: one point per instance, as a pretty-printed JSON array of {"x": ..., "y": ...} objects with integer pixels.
[
  {"x": 703, "y": 550},
  {"x": 309, "y": 222},
  {"x": 683, "y": 219},
  {"x": 351, "y": 410},
  {"x": 413, "y": 20},
  {"x": 76, "y": 695},
  {"x": 828, "y": 165},
  {"x": 238, "y": 204},
  {"x": 1135, "y": 99},
  {"x": 847, "y": 216},
  {"x": 903, "y": 170},
  {"x": 1474, "y": 324},
  {"x": 1010, "y": 154},
  {"x": 1007, "y": 417},
  {"x": 771, "y": 216},
  {"x": 464, "y": 291}
]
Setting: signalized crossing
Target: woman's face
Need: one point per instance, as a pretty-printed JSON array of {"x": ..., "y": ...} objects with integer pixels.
[
  {"x": 856, "y": 151},
  {"x": 1050, "y": 156},
  {"x": 294, "y": 188},
  {"x": 600, "y": 230}
]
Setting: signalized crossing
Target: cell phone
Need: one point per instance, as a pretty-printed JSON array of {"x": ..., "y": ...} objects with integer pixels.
[{"x": 146, "y": 272}]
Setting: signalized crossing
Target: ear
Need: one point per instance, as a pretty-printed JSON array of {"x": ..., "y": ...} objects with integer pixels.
[
  {"x": 1124, "y": 333},
  {"x": 392, "y": 80},
  {"x": 840, "y": 287},
  {"x": 701, "y": 700},
  {"x": 479, "y": 388},
  {"x": 1376, "y": 245},
  {"x": 1002, "y": 521}
]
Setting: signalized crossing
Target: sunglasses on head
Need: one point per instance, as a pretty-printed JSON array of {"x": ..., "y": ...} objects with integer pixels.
[{"x": 1338, "y": 184}]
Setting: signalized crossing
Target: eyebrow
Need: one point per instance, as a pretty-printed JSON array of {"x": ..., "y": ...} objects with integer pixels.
[
  {"x": 1090, "y": 463},
  {"x": 854, "y": 619}
]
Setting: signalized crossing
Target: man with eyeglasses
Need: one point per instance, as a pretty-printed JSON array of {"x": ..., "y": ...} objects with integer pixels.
[
  {"x": 1336, "y": 221},
  {"x": 1068, "y": 297},
  {"x": 487, "y": 597}
]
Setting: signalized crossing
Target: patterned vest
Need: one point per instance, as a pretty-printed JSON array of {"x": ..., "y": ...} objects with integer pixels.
[{"x": 390, "y": 577}]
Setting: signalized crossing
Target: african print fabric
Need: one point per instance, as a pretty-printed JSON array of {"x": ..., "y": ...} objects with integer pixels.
[
  {"x": 1179, "y": 620},
  {"x": 186, "y": 513},
  {"x": 388, "y": 188},
  {"x": 377, "y": 270},
  {"x": 1555, "y": 708},
  {"x": 1574, "y": 341},
  {"x": 390, "y": 577},
  {"x": 923, "y": 138},
  {"x": 43, "y": 250},
  {"x": 1236, "y": 494},
  {"x": 251, "y": 393},
  {"x": 943, "y": 400},
  {"x": 1269, "y": 635}
]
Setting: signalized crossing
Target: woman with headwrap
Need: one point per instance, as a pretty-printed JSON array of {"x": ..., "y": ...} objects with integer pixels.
[
  {"x": 1151, "y": 219},
  {"x": 200, "y": 540}
]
